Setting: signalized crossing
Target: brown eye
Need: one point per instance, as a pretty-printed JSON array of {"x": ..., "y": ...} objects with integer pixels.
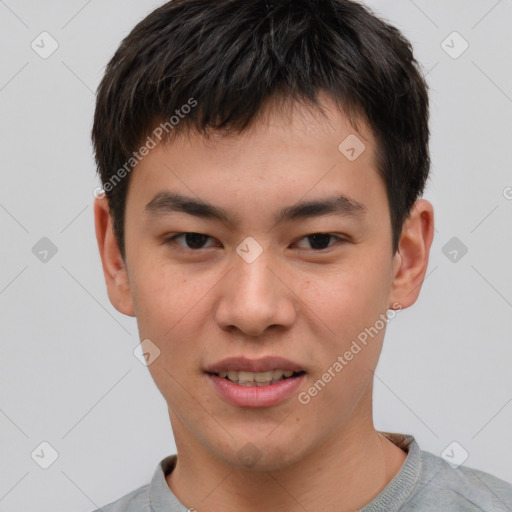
[
  {"x": 320, "y": 241},
  {"x": 193, "y": 241}
]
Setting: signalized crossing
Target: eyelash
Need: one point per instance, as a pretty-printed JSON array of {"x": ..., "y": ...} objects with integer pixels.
[{"x": 172, "y": 240}]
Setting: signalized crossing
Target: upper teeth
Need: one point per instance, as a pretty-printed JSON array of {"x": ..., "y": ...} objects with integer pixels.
[{"x": 250, "y": 377}]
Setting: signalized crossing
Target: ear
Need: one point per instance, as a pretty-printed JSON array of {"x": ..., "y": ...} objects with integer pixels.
[
  {"x": 411, "y": 260},
  {"x": 114, "y": 268}
]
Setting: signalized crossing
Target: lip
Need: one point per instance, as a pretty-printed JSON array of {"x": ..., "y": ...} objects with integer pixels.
[
  {"x": 255, "y": 396},
  {"x": 264, "y": 364}
]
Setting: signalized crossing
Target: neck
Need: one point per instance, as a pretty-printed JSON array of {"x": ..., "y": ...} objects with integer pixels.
[{"x": 343, "y": 474}]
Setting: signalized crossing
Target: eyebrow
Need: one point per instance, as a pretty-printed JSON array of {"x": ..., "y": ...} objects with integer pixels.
[{"x": 164, "y": 203}]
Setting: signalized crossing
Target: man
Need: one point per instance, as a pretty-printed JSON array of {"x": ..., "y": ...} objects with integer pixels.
[{"x": 263, "y": 165}]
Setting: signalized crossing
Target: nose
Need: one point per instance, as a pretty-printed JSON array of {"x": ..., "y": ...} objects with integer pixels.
[{"x": 256, "y": 296}]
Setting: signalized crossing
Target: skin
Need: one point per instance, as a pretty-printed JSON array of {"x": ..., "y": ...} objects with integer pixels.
[{"x": 294, "y": 301}]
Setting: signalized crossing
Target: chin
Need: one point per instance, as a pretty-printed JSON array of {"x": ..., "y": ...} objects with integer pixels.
[{"x": 261, "y": 453}]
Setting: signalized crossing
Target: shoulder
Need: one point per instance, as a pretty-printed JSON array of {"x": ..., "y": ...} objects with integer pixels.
[
  {"x": 459, "y": 488},
  {"x": 157, "y": 490},
  {"x": 135, "y": 501}
]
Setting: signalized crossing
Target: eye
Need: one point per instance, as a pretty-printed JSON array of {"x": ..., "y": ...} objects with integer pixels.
[
  {"x": 197, "y": 241},
  {"x": 193, "y": 240},
  {"x": 320, "y": 241}
]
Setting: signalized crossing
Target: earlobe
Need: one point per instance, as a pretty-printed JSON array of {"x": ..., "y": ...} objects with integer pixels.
[
  {"x": 411, "y": 260},
  {"x": 114, "y": 267}
]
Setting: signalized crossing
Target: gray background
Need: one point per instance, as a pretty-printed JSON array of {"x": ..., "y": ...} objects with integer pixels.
[{"x": 68, "y": 374}]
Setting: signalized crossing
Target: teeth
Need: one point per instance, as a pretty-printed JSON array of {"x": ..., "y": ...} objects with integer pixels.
[{"x": 256, "y": 378}]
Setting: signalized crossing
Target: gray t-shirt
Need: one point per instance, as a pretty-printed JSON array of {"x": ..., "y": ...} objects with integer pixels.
[{"x": 424, "y": 483}]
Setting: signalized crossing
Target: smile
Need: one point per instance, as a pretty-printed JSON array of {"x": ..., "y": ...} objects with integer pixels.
[{"x": 260, "y": 379}]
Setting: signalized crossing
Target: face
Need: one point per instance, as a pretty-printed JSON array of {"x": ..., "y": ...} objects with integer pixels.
[{"x": 288, "y": 254}]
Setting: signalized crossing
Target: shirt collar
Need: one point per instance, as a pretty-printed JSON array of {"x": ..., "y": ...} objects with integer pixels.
[
  {"x": 161, "y": 498},
  {"x": 400, "y": 488}
]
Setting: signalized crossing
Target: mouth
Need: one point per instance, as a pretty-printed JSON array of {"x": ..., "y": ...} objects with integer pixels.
[
  {"x": 264, "y": 382},
  {"x": 259, "y": 379}
]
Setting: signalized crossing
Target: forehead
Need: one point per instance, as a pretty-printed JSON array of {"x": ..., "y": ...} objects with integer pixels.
[{"x": 290, "y": 152}]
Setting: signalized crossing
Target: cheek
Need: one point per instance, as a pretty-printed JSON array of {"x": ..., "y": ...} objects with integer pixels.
[
  {"x": 161, "y": 298},
  {"x": 177, "y": 369},
  {"x": 347, "y": 299},
  {"x": 351, "y": 306},
  {"x": 171, "y": 311}
]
